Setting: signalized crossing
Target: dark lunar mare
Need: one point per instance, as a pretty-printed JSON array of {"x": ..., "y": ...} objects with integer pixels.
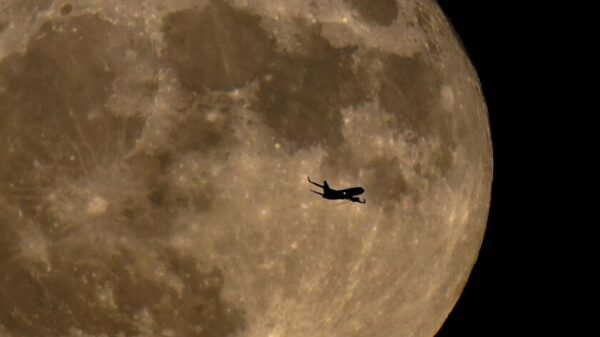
[
  {"x": 52, "y": 109},
  {"x": 302, "y": 92},
  {"x": 56, "y": 134},
  {"x": 377, "y": 12}
]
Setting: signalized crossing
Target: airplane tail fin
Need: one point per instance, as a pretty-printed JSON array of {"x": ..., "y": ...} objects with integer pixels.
[{"x": 325, "y": 184}]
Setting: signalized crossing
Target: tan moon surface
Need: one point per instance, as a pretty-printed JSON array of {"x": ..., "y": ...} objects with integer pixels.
[{"x": 154, "y": 155}]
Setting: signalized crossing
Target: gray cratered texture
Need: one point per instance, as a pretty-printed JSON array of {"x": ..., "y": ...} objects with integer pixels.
[{"x": 153, "y": 163}]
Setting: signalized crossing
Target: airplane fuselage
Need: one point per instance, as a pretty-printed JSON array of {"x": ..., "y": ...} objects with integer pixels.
[
  {"x": 330, "y": 193},
  {"x": 345, "y": 194}
]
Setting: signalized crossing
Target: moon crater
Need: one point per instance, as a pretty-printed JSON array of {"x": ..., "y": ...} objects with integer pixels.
[{"x": 153, "y": 163}]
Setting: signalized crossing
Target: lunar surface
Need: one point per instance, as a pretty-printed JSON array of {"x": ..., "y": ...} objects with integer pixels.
[{"x": 154, "y": 155}]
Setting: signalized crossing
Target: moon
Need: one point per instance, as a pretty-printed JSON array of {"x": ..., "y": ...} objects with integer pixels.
[{"x": 154, "y": 155}]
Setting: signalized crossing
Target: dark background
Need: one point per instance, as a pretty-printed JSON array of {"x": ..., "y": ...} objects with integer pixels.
[{"x": 505, "y": 296}]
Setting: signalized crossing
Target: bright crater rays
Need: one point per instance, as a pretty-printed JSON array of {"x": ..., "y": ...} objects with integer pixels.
[{"x": 154, "y": 161}]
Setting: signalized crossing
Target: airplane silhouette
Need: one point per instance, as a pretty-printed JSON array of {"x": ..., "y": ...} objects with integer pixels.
[{"x": 347, "y": 194}]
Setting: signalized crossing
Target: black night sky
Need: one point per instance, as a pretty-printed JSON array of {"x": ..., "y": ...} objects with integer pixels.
[{"x": 501, "y": 297}]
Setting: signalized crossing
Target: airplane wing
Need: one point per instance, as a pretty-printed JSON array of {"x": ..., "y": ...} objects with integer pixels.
[
  {"x": 319, "y": 193},
  {"x": 357, "y": 199},
  {"x": 312, "y": 182}
]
